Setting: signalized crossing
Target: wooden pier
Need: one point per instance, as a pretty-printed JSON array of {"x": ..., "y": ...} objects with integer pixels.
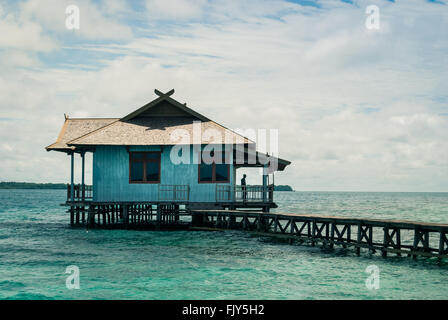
[
  {"x": 371, "y": 235},
  {"x": 383, "y": 236}
]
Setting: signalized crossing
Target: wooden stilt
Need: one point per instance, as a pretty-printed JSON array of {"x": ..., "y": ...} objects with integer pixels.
[
  {"x": 333, "y": 227},
  {"x": 125, "y": 215},
  {"x": 77, "y": 215},
  {"x": 72, "y": 216},
  {"x": 83, "y": 215},
  {"x": 90, "y": 217},
  {"x": 385, "y": 242},
  {"x": 349, "y": 239},
  {"x": 104, "y": 215},
  {"x": 359, "y": 239},
  {"x": 313, "y": 236}
]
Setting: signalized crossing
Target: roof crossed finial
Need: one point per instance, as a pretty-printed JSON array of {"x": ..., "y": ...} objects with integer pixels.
[{"x": 164, "y": 95}]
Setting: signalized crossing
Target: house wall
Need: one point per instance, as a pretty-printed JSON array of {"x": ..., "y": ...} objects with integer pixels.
[{"x": 111, "y": 176}]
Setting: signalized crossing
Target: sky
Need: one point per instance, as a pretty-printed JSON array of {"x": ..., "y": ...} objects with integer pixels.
[{"x": 356, "y": 108}]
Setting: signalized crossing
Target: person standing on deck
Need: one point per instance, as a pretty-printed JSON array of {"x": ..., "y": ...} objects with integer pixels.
[{"x": 243, "y": 187}]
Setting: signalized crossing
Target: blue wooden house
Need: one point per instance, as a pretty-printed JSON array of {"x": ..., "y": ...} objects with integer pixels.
[{"x": 164, "y": 154}]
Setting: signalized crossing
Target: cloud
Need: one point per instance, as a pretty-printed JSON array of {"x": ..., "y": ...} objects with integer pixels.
[
  {"x": 23, "y": 35},
  {"x": 175, "y": 9},
  {"x": 95, "y": 23},
  {"x": 17, "y": 58}
]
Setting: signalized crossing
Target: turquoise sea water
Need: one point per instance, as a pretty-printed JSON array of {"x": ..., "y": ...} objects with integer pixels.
[{"x": 36, "y": 246}]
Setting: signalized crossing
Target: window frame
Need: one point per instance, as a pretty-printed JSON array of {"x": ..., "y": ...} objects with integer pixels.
[
  {"x": 145, "y": 160},
  {"x": 214, "y": 171}
]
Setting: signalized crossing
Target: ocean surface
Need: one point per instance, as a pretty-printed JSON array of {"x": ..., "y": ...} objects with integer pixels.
[{"x": 37, "y": 245}]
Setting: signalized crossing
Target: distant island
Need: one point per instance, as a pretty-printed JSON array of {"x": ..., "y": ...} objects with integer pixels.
[
  {"x": 30, "y": 185},
  {"x": 283, "y": 188}
]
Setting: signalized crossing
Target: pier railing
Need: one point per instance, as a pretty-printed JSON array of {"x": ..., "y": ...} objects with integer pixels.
[
  {"x": 384, "y": 236},
  {"x": 174, "y": 192},
  {"x": 229, "y": 193},
  {"x": 81, "y": 193}
]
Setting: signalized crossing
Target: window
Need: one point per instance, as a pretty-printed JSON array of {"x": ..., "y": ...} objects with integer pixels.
[
  {"x": 214, "y": 172},
  {"x": 144, "y": 167}
]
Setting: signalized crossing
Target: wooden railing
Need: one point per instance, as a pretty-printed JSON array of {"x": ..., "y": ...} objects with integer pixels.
[
  {"x": 225, "y": 193},
  {"x": 383, "y": 236},
  {"x": 169, "y": 192},
  {"x": 80, "y": 193}
]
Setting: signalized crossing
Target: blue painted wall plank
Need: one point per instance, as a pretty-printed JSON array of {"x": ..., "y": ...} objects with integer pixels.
[{"x": 111, "y": 176}]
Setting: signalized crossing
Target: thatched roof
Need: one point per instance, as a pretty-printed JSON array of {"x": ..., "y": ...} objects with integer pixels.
[
  {"x": 74, "y": 128},
  {"x": 163, "y": 121},
  {"x": 143, "y": 131}
]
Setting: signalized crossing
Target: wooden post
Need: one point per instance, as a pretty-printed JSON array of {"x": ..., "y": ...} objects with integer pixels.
[
  {"x": 83, "y": 191},
  {"x": 275, "y": 223},
  {"x": 196, "y": 220},
  {"x": 245, "y": 222},
  {"x": 218, "y": 220},
  {"x": 159, "y": 214},
  {"x": 83, "y": 215},
  {"x": 442, "y": 241},
  {"x": 72, "y": 216},
  {"x": 358, "y": 248},
  {"x": 349, "y": 234},
  {"x": 103, "y": 209},
  {"x": 113, "y": 213},
  {"x": 72, "y": 176},
  {"x": 416, "y": 241},
  {"x": 333, "y": 225},
  {"x": 125, "y": 215},
  {"x": 77, "y": 215},
  {"x": 370, "y": 240},
  {"x": 265, "y": 184},
  {"x": 385, "y": 241},
  {"x": 292, "y": 223},
  {"x": 176, "y": 213},
  {"x": 91, "y": 217},
  {"x": 265, "y": 222},
  {"x": 232, "y": 220}
]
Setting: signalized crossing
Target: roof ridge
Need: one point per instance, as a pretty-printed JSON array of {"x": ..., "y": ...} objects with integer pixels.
[
  {"x": 164, "y": 97},
  {"x": 184, "y": 107}
]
